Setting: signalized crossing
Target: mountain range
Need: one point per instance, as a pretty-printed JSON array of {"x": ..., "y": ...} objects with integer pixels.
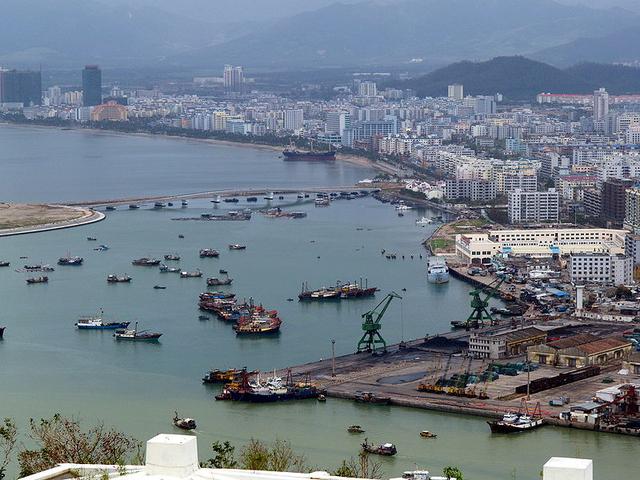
[
  {"x": 294, "y": 34},
  {"x": 519, "y": 78}
]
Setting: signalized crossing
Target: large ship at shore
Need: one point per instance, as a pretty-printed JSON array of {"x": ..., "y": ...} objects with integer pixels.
[
  {"x": 437, "y": 270},
  {"x": 292, "y": 154}
]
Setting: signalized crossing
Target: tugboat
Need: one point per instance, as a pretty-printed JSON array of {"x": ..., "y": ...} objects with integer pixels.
[
  {"x": 96, "y": 323},
  {"x": 135, "y": 335},
  {"x": 386, "y": 449},
  {"x": 215, "y": 282},
  {"x": 355, "y": 429},
  {"x": 235, "y": 246},
  {"x": 40, "y": 279},
  {"x": 194, "y": 274},
  {"x": 184, "y": 423},
  {"x": 172, "y": 256},
  {"x": 209, "y": 252},
  {"x": 518, "y": 422},
  {"x": 112, "y": 278},
  {"x": 69, "y": 260},
  {"x": 146, "y": 262}
]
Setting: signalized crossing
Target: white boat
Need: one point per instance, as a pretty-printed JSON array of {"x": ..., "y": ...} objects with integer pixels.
[
  {"x": 437, "y": 270},
  {"x": 217, "y": 199},
  {"x": 301, "y": 195},
  {"x": 401, "y": 206},
  {"x": 424, "y": 221},
  {"x": 269, "y": 196},
  {"x": 419, "y": 475}
]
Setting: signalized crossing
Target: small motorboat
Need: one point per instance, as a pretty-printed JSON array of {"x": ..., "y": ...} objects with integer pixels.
[
  {"x": 92, "y": 239},
  {"x": 236, "y": 246},
  {"x": 269, "y": 196},
  {"x": 101, "y": 248},
  {"x": 203, "y": 317},
  {"x": 216, "y": 200},
  {"x": 41, "y": 279},
  {"x": 112, "y": 278},
  {"x": 180, "y": 236},
  {"x": 322, "y": 397},
  {"x": 252, "y": 199},
  {"x": 172, "y": 256},
  {"x": 301, "y": 195},
  {"x": 222, "y": 272},
  {"x": 159, "y": 287},
  {"x": 110, "y": 208},
  {"x": 170, "y": 204},
  {"x": 158, "y": 205},
  {"x": 386, "y": 449},
  {"x": 355, "y": 429},
  {"x": 133, "y": 206},
  {"x": 168, "y": 269},
  {"x": 4, "y": 263},
  {"x": 184, "y": 423},
  {"x": 184, "y": 203},
  {"x": 215, "y": 282},
  {"x": 427, "y": 434},
  {"x": 424, "y": 221}
]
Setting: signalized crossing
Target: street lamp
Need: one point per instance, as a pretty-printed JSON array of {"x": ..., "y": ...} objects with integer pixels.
[{"x": 333, "y": 357}]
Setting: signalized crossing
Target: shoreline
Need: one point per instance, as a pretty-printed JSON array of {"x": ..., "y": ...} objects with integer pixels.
[
  {"x": 89, "y": 216},
  {"x": 349, "y": 158}
]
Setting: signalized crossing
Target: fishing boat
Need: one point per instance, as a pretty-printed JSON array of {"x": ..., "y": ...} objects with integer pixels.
[
  {"x": 133, "y": 206},
  {"x": 209, "y": 253},
  {"x": 424, "y": 221},
  {"x": 386, "y": 449},
  {"x": 166, "y": 269},
  {"x": 355, "y": 429},
  {"x": 322, "y": 202},
  {"x": 231, "y": 200},
  {"x": 236, "y": 246},
  {"x": 40, "y": 279},
  {"x": 159, "y": 287},
  {"x": 269, "y": 196},
  {"x": 194, "y": 274},
  {"x": 222, "y": 272},
  {"x": 110, "y": 208},
  {"x": 159, "y": 205},
  {"x": 4, "y": 263},
  {"x": 258, "y": 326},
  {"x": 518, "y": 422},
  {"x": 184, "y": 423},
  {"x": 172, "y": 257},
  {"x": 33, "y": 268},
  {"x": 69, "y": 260},
  {"x": 97, "y": 323},
  {"x": 215, "y": 282},
  {"x": 226, "y": 376},
  {"x": 135, "y": 335},
  {"x": 252, "y": 199},
  {"x": 112, "y": 278},
  {"x": 217, "y": 199},
  {"x": 427, "y": 434},
  {"x": 146, "y": 262},
  {"x": 368, "y": 397},
  {"x": 437, "y": 270}
]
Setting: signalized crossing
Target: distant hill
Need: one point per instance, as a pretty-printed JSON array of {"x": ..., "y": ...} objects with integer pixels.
[
  {"x": 618, "y": 47},
  {"x": 395, "y": 32},
  {"x": 519, "y": 78}
]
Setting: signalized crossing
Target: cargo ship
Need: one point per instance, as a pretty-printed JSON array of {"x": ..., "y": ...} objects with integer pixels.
[
  {"x": 292, "y": 154},
  {"x": 273, "y": 390}
]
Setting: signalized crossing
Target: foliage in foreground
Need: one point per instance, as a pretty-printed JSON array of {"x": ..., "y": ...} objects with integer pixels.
[
  {"x": 63, "y": 440},
  {"x": 8, "y": 442}
]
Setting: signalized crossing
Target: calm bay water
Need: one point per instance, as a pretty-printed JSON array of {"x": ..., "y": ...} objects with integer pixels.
[{"x": 47, "y": 366}]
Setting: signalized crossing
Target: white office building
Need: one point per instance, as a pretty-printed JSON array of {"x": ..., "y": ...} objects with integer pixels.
[
  {"x": 337, "y": 122},
  {"x": 533, "y": 207},
  {"x": 601, "y": 268},
  {"x": 293, "y": 119}
]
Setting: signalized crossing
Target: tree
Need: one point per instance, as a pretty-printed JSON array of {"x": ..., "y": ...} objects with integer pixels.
[
  {"x": 8, "y": 441},
  {"x": 362, "y": 468},
  {"x": 63, "y": 440},
  {"x": 224, "y": 456},
  {"x": 280, "y": 457},
  {"x": 452, "y": 472}
]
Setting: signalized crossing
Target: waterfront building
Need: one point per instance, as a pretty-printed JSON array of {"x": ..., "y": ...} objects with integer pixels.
[
  {"x": 455, "y": 91},
  {"x": 538, "y": 242},
  {"x": 111, "y": 111},
  {"x": 21, "y": 87},
  {"x": 533, "y": 207},
  {"x": 499, "y": 344},
  {"x": 580, "y": 351},
  {"x": 293, "y": 119},
  {"x": 91, "y": 86},
  {"x": 600, "y": 268}
]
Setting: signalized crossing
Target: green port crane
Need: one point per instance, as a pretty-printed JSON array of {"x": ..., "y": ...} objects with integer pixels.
[
  {"x": 479, "y": 313},
  {"x": 371, "y": 326}
]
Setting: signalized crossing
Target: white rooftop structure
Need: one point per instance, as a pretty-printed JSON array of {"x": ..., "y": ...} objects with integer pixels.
[{"x": 559, "y": 468}]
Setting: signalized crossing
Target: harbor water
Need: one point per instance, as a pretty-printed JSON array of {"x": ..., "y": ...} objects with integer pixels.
[{"x": 48, "y": 366}]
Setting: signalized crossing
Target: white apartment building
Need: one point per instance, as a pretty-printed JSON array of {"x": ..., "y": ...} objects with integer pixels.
[
  {"x": 534, "y": 207},
  {"x": 539, "y": 242},
  {"x": 455, "y": 91},
  {"x": 632, "y": 136},
  {"x": 601, "y": 268},
  {"x": 619, "y": 166},
  {"x": 293, "y": 119},
  {"x": 337, "y": 122},
  {"x": 470, "y": 189}
]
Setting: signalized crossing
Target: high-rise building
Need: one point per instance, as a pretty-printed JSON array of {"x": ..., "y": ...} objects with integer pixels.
[
  {"x": 91, "y": 86},
  {"x": 21, "y": 86},
  {"x": 367, "y": 89},
  {"x": 613, "y": 200},
  {"x": 485, "y": 105},
  {"x": 293, "y": 119},
  {"x": 233, "y": 78},
  {"x": 600, "y": 105},
  {"x": 533, "y": 207},
  {"x": 337, "y": 122},
  {"x": 456, "y": 91}
]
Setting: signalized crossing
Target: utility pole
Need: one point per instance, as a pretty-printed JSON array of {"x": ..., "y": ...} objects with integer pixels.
[{"x": 333, "y": 357}]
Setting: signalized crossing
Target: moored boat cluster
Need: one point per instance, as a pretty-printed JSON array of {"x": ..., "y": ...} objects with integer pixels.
[{"x": 248, "y": 318}]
